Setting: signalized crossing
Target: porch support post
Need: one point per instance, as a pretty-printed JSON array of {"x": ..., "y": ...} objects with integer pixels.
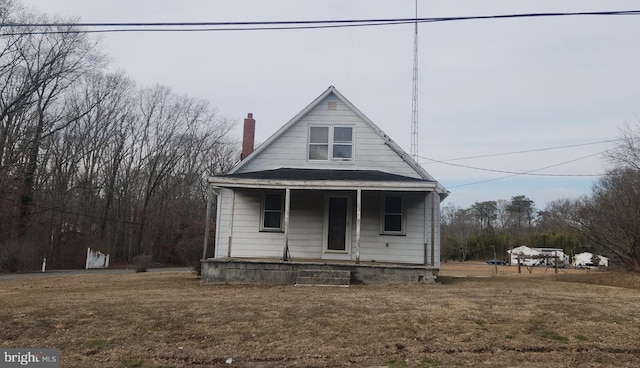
[
  {"x": 287, "y": 206},
  {"x": 207, "y": 224},
  {"x": 426, "y": 229},
  {"x": 358, "y": 220},
  {"x": 233, "y": 207},
  {"x": 433, "y": 228}
]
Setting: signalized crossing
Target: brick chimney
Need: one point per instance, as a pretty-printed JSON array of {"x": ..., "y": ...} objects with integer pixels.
[{"x": 248, "y": 136}]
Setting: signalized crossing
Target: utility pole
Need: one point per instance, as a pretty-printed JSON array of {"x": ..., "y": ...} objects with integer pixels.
[{"x": 414, "y": 101}]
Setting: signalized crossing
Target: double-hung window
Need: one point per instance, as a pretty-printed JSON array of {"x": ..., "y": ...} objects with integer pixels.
[
  {"x": 272, "y": 211},
  {"x": 331, "y": 143},
  {"x": 393, "y": 215},
  {"x": 319, "y": 143}
]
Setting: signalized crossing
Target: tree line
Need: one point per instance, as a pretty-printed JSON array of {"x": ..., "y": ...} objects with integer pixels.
[
  {"x": 491, "y": 228},
  {"x": 88, "y": 159},
  {"x": 605, "y": 221},
  {"x": 610, "y": 216}
]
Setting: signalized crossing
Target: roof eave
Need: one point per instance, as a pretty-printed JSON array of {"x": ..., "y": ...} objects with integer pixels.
[{"x": 226, "y": 182}]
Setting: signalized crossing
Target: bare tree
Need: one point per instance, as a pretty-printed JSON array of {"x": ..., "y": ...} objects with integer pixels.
[
  {"x": 85, "y": 155},
  {"x": 178, "y": 137},
  {"x": 521, "y": 212},
  {"x": 627, "y": 153},
  {"x": 485, "y": 213},
  {"x": 79, "y": 157},
  {"x": 459, "y": 224},
  {"x": 502, "y": 213},
  {"x": 610, "y": 217},
  {"x": 45, "y": 66}
]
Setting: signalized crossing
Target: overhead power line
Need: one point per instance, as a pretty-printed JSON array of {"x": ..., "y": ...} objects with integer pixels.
[
  {"x": 534, "y": 172},
  {"x": 530, "y": 172},
  {"x": 275, "y": 25},
  {"x": 531, "y": 150},
  {"x": 524, "y": 173}
]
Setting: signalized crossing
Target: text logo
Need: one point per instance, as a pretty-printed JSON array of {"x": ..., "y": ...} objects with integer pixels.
[{"x": 49, "y": 358}]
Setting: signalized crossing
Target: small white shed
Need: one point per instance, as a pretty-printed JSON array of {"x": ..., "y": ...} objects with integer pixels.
[
  {"x": 586, "y": 259},
  {"x": 96, "y": 259}
]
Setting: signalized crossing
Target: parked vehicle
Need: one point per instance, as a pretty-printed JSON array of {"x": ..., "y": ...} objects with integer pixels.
[{"x": 495, "y": 261}]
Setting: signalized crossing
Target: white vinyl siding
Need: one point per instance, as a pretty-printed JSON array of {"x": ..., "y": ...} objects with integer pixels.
[
  {"x": 222, "y": 222},
  {"x": 306, "y": 228},
  {"x": 390, "y": 248},
  {"x": 291, "y": 149},
  {"x": 436, "y": 222}
]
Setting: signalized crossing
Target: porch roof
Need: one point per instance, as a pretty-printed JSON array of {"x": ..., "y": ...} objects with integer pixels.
[{"x": 323, "y": 179}]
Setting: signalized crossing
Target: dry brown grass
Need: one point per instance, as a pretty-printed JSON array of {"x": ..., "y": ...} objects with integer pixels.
[{"x": 482, "y": 320}]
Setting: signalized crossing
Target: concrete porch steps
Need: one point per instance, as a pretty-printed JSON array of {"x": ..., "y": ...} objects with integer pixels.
[{"x": 310, "y": 277}]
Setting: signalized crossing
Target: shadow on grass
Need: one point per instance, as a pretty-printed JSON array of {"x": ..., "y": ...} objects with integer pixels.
[
  {"x": 454, "y": 280},
  {"x": 457, "y": 280}
]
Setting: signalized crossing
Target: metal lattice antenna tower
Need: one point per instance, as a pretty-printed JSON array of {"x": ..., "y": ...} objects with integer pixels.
[{"x": 414, "y": 101}]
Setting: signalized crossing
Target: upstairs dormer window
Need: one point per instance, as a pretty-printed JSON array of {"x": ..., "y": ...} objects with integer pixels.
[{"x": 331, "y": 143}]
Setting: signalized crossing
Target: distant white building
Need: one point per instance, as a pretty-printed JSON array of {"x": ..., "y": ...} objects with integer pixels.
[
  {"x": 586, "y": 259},
  {"x": 551, "y": 253},
  {"x": 537, "y": 256},
  {"x": 528, "y": 256}
]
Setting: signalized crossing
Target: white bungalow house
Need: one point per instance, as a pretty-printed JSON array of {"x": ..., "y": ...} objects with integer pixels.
[{"x": 328, "y": 187}]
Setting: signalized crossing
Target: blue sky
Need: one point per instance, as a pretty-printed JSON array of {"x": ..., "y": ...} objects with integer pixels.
[{"x": 486, "y": 86}]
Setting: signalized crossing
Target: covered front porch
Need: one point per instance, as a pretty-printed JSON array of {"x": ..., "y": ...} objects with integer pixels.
[
  {"x": 273, "y": 225},
  {"x": 342, "y": 215}
]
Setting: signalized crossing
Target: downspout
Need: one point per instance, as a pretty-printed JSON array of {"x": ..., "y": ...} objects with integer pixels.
[{"x": 233, "y": 206}]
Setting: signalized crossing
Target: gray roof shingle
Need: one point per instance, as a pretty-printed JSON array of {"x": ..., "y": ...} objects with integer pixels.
[{"x": 323, "y": 174}]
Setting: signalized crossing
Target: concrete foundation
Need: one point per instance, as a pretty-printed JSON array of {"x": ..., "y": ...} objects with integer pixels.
[{"x": 250, "y": 271}]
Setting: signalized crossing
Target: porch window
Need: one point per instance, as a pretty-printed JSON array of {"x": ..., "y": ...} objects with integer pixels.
[
  {"x": 272, "y": 211},
  {"x": 393, "y": 218},
  {"x": 331, "y": 143}
]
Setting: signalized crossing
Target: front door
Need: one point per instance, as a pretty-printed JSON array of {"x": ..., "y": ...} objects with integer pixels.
[
  {"x": 337, "y": 234},
  {"x": 337, "y": 227}
]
